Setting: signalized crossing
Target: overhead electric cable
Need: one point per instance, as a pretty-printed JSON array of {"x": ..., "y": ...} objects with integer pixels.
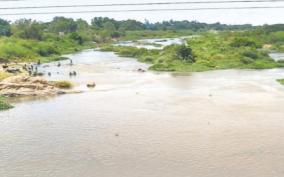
[
  {"x": 140, "y": 4},
  {"x": 144, "y": 10}
]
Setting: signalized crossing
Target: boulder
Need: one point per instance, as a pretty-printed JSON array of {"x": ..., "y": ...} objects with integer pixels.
[
  {"x": 141, "y": 70},
  {"x": 13, "y": 70},
  {"x": 91, "y": 85}
]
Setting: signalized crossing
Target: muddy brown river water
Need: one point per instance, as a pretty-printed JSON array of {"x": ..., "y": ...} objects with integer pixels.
[{"x": 212, "y": 124}]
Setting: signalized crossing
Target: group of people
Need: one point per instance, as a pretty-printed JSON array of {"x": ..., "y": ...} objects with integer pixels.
[
  {"x": 72, "y": 73},
  {"x": 32, "y": 69}
]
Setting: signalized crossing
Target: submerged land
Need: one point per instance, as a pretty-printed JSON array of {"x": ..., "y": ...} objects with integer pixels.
[{"x": 205, "y": 46}]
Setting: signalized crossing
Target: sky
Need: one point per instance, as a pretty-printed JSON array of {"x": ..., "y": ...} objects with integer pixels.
[{"x": 244, "y": 16}]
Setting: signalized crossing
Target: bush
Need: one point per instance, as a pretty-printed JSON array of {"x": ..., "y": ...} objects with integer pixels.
[
  {"x": 46, "y": 49},
  {"x": 148, "y": 59},
  {"x": 180, "y": 52},
  {"x": 281, "y": 81},
  {"x": 246, "y": 60},
  {"x": 250, "y": 54},
  {"x": 76, "y": 37},
  {"x": 243, "y": 42},
  {"x": 4, "y": 105},
  {"x": 62, "y": 84},
  {"x": 14, "y": 51},
  {"x": 185, "y": 53}
]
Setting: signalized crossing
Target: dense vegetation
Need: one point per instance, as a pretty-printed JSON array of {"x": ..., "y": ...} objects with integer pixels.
[
  {"x": 31, "y": 40},
  {"x": 27, "y": 40},
  {"x": 214, "y": 50},
  {"x": 218, "y": 46}
]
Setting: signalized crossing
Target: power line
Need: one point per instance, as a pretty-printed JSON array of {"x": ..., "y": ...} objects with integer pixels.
[
  {"x": 143, "y": 10},
  {"x": 140, "y": 4}
]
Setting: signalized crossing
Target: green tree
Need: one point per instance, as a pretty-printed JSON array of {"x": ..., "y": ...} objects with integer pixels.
[
  {"x": 185, "y": 53},
  {"x": 131, "y": 25},
  {"x": 82, "y": 25},
  {"x": 62, "y": 24},
  {"x": 28, "y": 29},
  {"x": 99, "y": 22},
  {"x": 5, "y": 28},
  {"x": 76, "y": 37}
]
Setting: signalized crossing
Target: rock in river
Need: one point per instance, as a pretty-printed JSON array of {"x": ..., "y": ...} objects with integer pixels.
[{"x": 91, "y": 85}]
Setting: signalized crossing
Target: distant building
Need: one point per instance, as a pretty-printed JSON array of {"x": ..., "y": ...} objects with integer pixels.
[{"x": 61, "y": 33}]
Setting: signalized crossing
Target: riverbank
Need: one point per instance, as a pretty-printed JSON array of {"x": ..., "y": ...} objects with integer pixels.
[
  {"x": 209, "y": 51},
  {"x": 27, "y": 86},
  {"x": 171, "y": 59},
  {"x": 281, "y": 81}
]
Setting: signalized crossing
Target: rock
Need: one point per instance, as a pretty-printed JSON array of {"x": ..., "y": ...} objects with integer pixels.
[
  {"x": 27, "y": 86},
  {"x": 141, "y": 70},
  {"x": 13, "y": 70},
  {"x": 91, "y": 85},
  {"x": 60, "y": 92},
  {"x": 46, "y": 66}
]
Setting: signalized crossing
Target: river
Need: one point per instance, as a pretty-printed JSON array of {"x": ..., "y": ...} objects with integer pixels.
[{"x": 227, "y": 123}]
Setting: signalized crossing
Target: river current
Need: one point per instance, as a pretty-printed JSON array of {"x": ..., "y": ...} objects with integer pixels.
[{"x": 227, "y": 123}]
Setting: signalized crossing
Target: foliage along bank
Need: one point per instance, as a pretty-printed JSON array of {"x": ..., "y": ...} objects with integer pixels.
[
  {"x": 211, "y": 51},
  {"x": 218, "y": 46}
]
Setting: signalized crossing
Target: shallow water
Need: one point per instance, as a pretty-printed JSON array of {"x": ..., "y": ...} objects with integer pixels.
[
  {"x": 209, "y": 124},
  {"x": 277, "y": 56},
  {"x": 154, "y": 43}
]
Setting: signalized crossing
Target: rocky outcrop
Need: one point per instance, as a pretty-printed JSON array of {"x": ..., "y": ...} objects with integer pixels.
[{"x": 27, "y": 86}]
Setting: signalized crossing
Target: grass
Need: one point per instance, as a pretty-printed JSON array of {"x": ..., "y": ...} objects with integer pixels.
[
  {"x": 4, "y": 75},
  {"x": 49, "y": 49},
  {"x": 62, "y": 84},
  {"x": 281, "y": 81},
  {"x": 4, "y": 105}
]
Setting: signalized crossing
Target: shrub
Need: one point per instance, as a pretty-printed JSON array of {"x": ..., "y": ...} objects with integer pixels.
[
  {"x": 281, "y": 81},
  {"x": 243, "y": 42},
  {"x": 185, "y": 53},
  {"x": 246, "y": 60},
  {"x": 46, "y": 49},
  {"x": 4, "y": 105},
  {"x": 148, "y": 59},
  {"x": 250, "y": 54},
  {"x": 62, "y": 84}
]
